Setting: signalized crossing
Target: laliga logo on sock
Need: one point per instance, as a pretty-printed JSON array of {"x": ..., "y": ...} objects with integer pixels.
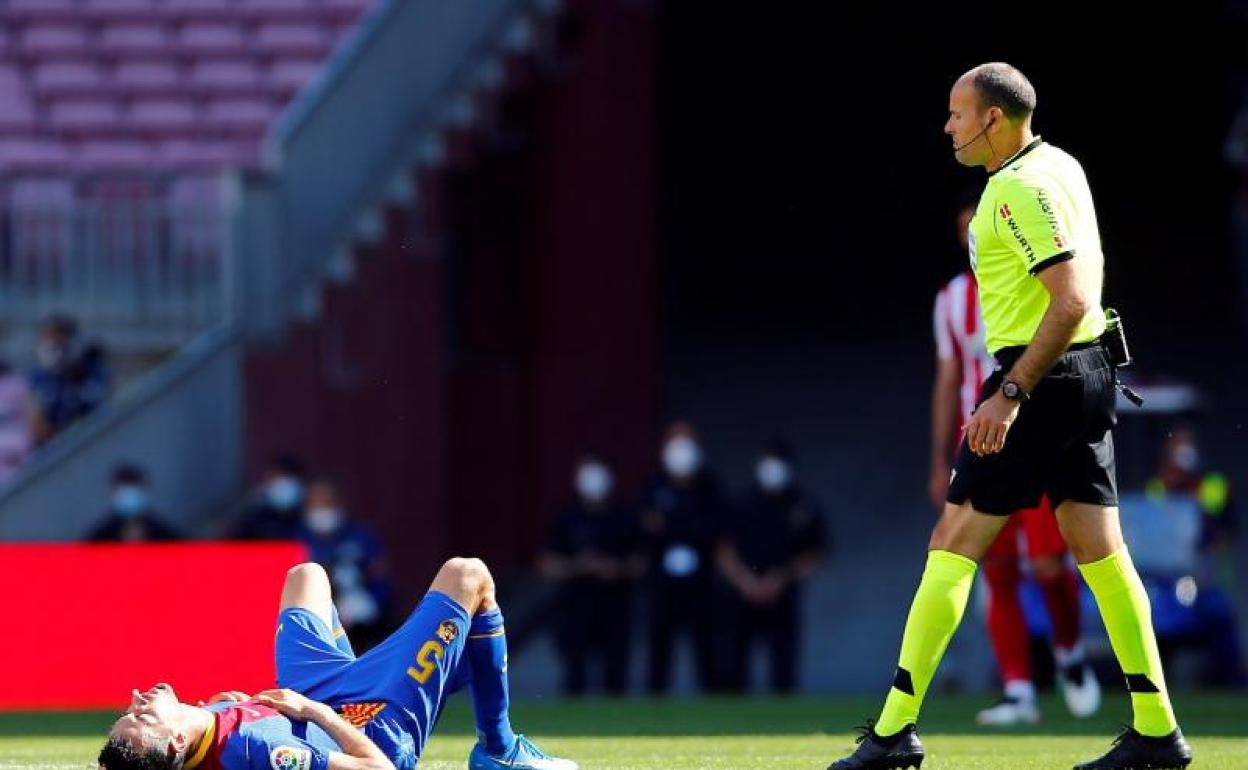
[{"x": 290, "y": 758}]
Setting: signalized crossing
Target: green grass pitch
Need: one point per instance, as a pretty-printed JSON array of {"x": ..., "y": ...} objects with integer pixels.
[{"x": 684, "y": 734}]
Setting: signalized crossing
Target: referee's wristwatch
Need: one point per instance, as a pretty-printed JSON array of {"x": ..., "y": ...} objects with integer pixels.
[{"x": 1014, "y": 392}]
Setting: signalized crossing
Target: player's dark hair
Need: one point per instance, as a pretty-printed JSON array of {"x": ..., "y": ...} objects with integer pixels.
[
  {"x": 1003, "y": 86},
  {"x": 119, "y": 755}
]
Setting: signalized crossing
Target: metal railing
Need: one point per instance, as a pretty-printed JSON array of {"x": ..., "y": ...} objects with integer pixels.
[{"x": 144, "y": 274}]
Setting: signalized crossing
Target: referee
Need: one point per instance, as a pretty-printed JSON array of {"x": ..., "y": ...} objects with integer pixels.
[{"x": 1043, "y": 424}]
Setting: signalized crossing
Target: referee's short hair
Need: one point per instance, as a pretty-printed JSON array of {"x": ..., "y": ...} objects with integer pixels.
[{"x": 1003, "y": 86}]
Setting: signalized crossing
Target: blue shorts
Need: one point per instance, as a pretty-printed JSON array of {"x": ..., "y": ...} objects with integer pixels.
[{"x": 395, "y": 690}]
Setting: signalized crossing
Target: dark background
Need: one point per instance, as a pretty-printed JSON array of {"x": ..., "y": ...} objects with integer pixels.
[{"x": 807, "y": 186}]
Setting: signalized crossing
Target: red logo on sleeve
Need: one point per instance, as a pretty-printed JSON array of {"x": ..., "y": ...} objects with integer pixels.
[{"x": 1005, "y": 211}]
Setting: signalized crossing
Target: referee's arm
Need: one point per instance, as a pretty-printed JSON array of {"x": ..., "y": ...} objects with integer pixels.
[{"x": 1069, "y": 302}]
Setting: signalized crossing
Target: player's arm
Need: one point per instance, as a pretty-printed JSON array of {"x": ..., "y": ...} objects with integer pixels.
[
  {"x": 358, "y": 750},
  {"x": 1069, "y": 302}
]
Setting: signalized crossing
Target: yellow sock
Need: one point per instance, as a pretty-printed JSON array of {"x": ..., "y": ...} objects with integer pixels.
[
  {"x": 934, "y": 616},
  {"x": 1129, "y": 620}
]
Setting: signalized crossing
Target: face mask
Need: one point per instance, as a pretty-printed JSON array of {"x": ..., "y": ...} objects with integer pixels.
[
  {"x": 323, "y": 521},
  {"x": 129, "y": 500},
  {"x": 682, "y": 456},
  {"x": 773, "y": 474},
  {"x": 593, "y": 482},
  {"x": 1187, "y": 457},
  {"x": 284, "y": 493}
]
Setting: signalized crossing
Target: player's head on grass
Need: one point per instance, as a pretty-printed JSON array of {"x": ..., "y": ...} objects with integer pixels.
[
  {"x": 990, "y": 108},
  {"x": 152, "y": 735}
]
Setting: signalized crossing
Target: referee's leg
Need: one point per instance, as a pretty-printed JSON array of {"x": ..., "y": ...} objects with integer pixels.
[
  {"x": 1095, "y": 539},
  {"x": 958, "y": 542}
]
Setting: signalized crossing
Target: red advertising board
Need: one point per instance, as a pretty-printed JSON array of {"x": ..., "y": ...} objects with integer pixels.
[{"x": 83, "y": 624}]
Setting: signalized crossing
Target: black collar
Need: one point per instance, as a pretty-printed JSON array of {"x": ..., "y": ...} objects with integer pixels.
[{"x": 1033, "y": 144}]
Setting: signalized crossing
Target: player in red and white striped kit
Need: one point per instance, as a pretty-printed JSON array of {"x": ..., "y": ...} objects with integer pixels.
[{"x": 963, "y": 364}]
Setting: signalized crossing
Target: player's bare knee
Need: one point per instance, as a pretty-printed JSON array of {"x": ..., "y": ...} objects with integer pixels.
[
  {"x": 472, "y": 576},
  {"x": 306, "y": 573}
]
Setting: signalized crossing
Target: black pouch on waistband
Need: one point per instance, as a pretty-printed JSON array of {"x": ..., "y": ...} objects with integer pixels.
[{"x": 1114, "y": 340}]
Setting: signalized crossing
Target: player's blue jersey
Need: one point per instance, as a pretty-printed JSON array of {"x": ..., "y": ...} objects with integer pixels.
[
  {"x": 251, "y": 736},
  {"x": 395, "y": 691}
]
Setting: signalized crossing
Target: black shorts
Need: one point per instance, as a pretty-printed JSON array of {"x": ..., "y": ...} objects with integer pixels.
[{"x": 1061, "y": 444}]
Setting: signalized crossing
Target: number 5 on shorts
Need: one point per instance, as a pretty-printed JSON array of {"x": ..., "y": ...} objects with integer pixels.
[{"x": 426, "y": 662}]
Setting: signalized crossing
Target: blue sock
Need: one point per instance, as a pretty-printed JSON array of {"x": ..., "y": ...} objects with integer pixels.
[
  {"x": 340, "y": 634},
  {"x": 486, "y": 650}
]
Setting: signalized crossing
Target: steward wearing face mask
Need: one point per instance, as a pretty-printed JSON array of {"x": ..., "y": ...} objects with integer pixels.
[
  {"x": 592, "y": 553},
  {"x": 277, "y": 509},
  {"x": 354, "y": 558},
  {"x": 681, "y": 515},
  {"x": 130, "y": 517},
  {"x": 774, "y": 542}
]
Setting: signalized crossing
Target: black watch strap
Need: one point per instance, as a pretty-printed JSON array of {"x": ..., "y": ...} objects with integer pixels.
[{"x": 1014, "y": 392}]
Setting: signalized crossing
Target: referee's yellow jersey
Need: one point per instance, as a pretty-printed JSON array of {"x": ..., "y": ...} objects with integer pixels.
[{"x": 1035, "y": 211}]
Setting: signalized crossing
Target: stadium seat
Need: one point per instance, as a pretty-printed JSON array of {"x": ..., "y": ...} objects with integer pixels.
[
  {"x": 346, "y": 10},
  {"x": 287, "y": 76},
  {"x": 116, "y": 154},
  {"x": 163, "y": 116},
  {"x": 36, "y": 11},
  {"x": 67, "y": 78},
  {"x": 33, "y": 155},
  {"x": 199, "y": 10},
  {"x": 278, "y": 10},
  {"x": 247, "y": 117},
  {"x": 147, "y": 78},
  {"x": 17, "y": 116},
  {"x": 184, "y": 154},
  {"x": 84, "y": 115},
  {"x": 54, "y": 40},
  {"x": 293, "y": 40},
  {"x": 134, "y": 40},
  {"x": 119, "y": 10},
  {"x": 224, "y": 77},
  {"x": 212, "y": 39}
]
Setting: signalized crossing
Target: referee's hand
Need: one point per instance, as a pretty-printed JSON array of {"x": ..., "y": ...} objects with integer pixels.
[{"x": 985, "y": 433}]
